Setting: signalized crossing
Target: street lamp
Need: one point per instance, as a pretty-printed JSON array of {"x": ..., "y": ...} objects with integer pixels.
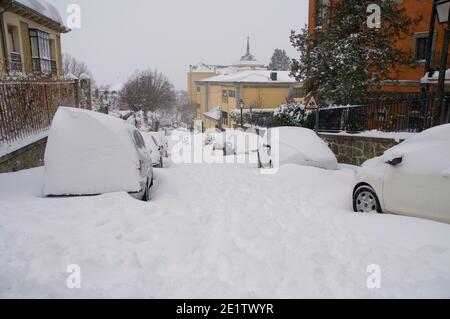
[
  {"x": 241, "y": 107},
  {"x": 443, "y": 11},
  {"x": 443, "y": 14}
]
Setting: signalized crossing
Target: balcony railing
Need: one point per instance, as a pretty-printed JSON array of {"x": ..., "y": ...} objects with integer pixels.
[
  {"x": 42, "y": 66},
  {"x": 16, "y": 62},
  {"x": 54, "y": 67}
]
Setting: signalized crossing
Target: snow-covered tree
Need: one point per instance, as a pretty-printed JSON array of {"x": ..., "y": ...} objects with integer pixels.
[
  {"x": 345, "y": 59},
  {"x": 280, "y": 61},
  {"x": 74, "y": 66}
]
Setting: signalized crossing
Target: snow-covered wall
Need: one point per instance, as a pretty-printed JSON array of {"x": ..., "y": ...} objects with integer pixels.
[{"x": 29, "y": 156}]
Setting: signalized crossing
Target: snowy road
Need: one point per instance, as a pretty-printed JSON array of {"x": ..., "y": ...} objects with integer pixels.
[{"x": 216, "y": 231}]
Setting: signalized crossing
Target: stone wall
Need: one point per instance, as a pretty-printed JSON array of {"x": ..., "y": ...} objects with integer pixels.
[
  {"x": 27, "y": 157},
  {"x": 356, "y": 150}
]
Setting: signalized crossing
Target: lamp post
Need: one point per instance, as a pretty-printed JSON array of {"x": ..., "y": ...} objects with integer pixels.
[
  {"x": 443, "y": 15},
  {"x": 241, "y": 107}
]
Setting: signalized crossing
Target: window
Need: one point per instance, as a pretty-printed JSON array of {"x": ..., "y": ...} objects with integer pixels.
[
  {"x": 225, "y": 96},
  {"x": 13, "y": 38},
  {"x": 198, "y": 89},
  {"x": 224, "y": 118},
  {"x": 15, "y": 56},
  {"x": 321, "y": 11},
  {"x": 232, "y": 94},
  {"x": 421, "y": 48},
  {"x": 40, "y": 51}
]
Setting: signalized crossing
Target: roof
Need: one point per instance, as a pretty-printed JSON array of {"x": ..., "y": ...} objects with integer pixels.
[
  {"x": 251, "y": 77},
  {"x": 39, "y": 11},
  {"x": 215, "y": 113}
]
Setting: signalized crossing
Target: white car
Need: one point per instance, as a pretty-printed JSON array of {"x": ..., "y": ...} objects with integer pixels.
[
  {"x": 89, "y": 153},
  {"x": 412, "y": 178},
  {"x": 162, "y": 142},
  {"x": 294, "y": 145},
  {"x": 156, "y": 152}
]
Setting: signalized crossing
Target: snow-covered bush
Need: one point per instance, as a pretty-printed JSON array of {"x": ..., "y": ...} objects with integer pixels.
[{"x": 294, "y": 115}]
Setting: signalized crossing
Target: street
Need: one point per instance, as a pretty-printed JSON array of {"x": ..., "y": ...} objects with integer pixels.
[{"x": 216, "y": 231}]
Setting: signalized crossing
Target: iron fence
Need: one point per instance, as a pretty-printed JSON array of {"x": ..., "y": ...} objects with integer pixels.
[
  {"x": 394, "y": 113},
  {"x": 28, "y": 107}
]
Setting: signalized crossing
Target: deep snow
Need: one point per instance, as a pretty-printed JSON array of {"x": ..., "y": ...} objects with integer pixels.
[{"x": 216, "y": 231}]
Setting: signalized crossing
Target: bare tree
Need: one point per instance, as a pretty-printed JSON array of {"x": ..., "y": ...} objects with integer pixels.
[
  {"x": 72, "y": 65},
  {"x": 148, "y": 91}
]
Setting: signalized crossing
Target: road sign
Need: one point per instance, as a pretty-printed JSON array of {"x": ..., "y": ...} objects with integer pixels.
[{"x": 311, "y": 102}]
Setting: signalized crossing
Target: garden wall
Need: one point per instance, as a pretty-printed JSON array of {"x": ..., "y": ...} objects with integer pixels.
[
  {"x": 356, "y": 150},
  {"x": 26, "y": 157}
]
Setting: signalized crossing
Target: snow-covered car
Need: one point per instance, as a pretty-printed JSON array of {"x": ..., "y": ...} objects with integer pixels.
[
  {"x": 162, "y": 142},
  {"x": 412, "y": 178},
  {"x": 156, "y": 153},
  {"x": 239, "y": 142},
  {"x": 89, "y": 153},
  {"x": 294, "y": 145}
]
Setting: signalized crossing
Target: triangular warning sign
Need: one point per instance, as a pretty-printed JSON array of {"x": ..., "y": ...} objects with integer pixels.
[{"x": 311, "y": 102}]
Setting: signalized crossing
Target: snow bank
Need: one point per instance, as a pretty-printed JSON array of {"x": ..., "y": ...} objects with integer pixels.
[{"x": 89, "y": 153}]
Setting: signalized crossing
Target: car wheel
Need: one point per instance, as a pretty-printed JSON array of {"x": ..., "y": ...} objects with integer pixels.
[{"x": 365, "y": 200}]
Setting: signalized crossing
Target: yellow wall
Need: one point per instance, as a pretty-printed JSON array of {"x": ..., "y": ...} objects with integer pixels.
[
  {"x": 261, "y": 96},
  {"x": 23, "y": 24},
  {"x": 192, "y": 87}
]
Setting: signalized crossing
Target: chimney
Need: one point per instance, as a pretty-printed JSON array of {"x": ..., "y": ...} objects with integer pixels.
[{"x": 274, "y": 76}]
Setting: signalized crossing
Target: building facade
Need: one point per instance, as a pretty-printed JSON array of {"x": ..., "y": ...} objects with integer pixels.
[
  {"x": 406, "y": 78},
  {"x": 30, "y": 43},
  {"x": 218, "y": 91}
]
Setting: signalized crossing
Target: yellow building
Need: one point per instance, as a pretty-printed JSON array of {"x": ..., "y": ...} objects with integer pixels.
[
  {"x": 220, "y": 90},
  {"x": 30, "y": 38}
]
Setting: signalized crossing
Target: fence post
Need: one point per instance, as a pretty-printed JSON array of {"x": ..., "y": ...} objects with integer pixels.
[{"x": 85, "y": 90}]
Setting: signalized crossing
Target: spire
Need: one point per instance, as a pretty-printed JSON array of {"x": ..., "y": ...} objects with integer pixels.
[
  {"x": 248, "y": 56},
  {"x": 248, "y": 46}
]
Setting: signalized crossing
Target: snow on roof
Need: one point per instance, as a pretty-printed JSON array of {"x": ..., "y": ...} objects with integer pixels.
[
  {"x": 203, "y": 67},
  {"x": 251, "y": 76},
  {"x": 215, "y": 113},
  {"x": 44, "y": 8}
]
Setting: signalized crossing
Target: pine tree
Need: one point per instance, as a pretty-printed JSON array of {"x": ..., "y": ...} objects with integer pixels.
[
  {"x": 345, "y": 60},
  {"x": 280, "y": 61}
]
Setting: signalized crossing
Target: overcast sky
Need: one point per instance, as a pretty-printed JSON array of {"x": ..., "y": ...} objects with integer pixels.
[{"x": 118, "y": 37}]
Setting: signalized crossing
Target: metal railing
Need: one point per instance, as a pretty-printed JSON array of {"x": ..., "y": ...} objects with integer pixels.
[
  {"x": 400, "y": 113},
  {"x": 16, "y": 62},
  {"x": 27, "y": 107}
]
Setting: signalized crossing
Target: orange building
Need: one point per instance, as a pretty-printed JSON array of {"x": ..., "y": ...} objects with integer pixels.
[{"x": 407, "y": 78}]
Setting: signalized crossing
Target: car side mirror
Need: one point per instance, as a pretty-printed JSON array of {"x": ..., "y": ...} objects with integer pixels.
[
  {"x": 267, "y": 146},
  {"x": 395, "y": 161}
]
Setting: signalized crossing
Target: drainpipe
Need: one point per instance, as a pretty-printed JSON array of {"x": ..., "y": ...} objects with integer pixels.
[{"x": 3, "y": 34}]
